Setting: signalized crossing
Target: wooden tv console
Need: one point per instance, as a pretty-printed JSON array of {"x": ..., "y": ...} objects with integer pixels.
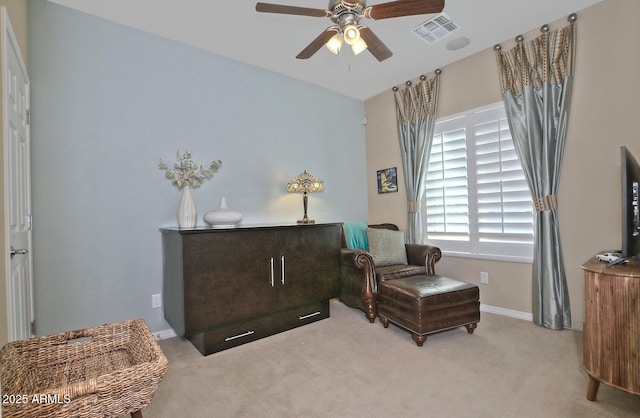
[
  {"x": 229, "y": 286},
  {"x": 612, "y": 326}
]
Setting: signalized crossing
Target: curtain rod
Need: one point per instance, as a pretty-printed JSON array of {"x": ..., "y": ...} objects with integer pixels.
[
  {"x": 544, "y": 29},
  {"x": 423, "y": 77}
]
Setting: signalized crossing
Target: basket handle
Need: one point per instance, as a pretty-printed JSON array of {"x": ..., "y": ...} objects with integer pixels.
[
  {"x": 78, "y": 335},
  {"x": 76, "y": 390}
]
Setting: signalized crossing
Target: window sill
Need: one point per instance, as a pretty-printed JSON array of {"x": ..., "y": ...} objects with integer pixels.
[{"x": 492, "y": 257}]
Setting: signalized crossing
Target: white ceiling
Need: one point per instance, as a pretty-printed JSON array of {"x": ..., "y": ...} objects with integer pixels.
[{"x": 234, "y": 29}]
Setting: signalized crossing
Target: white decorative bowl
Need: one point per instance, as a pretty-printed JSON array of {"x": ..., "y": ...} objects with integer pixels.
[{"x": 222, "y": 216}]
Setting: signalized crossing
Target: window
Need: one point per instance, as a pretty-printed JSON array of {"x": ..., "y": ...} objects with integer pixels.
[{"x": 477, "y": 202}]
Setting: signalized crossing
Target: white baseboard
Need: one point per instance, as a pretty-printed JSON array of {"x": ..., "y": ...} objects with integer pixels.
[
  {"x": 164, "y": 334},
  {"x": 579, "y": 326},
  {"x": 506, "y": 312}
]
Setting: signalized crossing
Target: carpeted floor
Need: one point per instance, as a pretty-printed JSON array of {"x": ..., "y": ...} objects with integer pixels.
[{"x": 345, "y": 367}]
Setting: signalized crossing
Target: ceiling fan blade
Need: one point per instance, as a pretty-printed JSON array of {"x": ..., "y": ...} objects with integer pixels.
[
  {"x": 403, "y": 8},
  {"x": 316, "y": 44},
  {"x": 374, "y": 44},
  {"x": 290, "y": 10}
]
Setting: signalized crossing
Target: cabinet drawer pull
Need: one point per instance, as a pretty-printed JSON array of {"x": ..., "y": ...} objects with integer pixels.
[
  {"x": 245, "y": 334},
  {"x": 309, "y": 315}
]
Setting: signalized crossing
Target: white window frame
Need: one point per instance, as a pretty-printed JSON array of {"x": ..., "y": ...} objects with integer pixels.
[{"x": 474, "y": 247}]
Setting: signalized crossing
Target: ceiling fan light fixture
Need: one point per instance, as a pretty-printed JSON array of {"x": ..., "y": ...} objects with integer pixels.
[
  {"x": 335, "y": 43},
  {"x": 359, "y": 46},
  {"x": 346, "y": 15},
  {"x": 351, "y": 34}
]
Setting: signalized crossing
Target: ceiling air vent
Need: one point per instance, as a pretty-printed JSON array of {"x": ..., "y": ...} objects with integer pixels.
[{"x": 435, "y": 29}]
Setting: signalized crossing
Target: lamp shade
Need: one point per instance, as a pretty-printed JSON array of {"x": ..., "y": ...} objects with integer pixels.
[
  {"x": 351, "y": 34},
  {"x": 335, "y": 43},
  {"x": 359, "y": 46},
  {"x": 305, "y": 183}
]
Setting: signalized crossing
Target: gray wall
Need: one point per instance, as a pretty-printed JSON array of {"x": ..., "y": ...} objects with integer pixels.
[{"x": 108, "y": 102}]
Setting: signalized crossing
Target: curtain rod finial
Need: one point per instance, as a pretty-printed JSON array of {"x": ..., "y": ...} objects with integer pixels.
[
  {"x": 572, "y": 17},
  {"x": 497, "y": 47}
]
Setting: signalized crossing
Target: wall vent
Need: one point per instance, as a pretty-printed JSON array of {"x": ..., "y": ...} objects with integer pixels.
[{"x": 435, "y": 29}]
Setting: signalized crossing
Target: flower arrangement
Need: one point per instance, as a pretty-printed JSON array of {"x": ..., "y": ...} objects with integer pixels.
[{"x": 187, "y": 173}]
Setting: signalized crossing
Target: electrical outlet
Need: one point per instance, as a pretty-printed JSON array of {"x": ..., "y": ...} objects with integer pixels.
[
  {"x": 484, "y": 277},
  {"x": 156, "y": 300}
]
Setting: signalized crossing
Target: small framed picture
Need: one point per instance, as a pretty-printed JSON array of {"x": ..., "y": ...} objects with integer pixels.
[{"x": 387, "y": 180}]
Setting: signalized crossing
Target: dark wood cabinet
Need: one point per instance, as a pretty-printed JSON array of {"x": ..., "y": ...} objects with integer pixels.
[{"x": 226, "y": 287}]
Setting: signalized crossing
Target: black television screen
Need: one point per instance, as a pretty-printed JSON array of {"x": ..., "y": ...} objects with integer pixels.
[{"x": 630, "y": 208}]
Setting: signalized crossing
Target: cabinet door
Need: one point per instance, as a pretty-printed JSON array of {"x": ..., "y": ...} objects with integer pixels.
[
  {"x": 227, "y": 277},
  {"x": 310, "y": 256}
]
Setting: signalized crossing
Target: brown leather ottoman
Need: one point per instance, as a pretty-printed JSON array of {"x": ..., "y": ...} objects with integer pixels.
[{"x": 426, "y": 304}]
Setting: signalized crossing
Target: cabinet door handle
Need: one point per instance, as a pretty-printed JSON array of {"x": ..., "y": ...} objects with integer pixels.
[
  {"x": 309, "y": 315},
  {"x": 244, "y": 334},
  {"x": 272, "y": 276},
  {"x": 282, "y": 269}
]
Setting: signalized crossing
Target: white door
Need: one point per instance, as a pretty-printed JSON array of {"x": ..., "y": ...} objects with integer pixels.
[{"x": 17, "y": 177}]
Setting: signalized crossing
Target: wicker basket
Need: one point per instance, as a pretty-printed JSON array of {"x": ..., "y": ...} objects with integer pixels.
[{"x": 108, "y": 371}]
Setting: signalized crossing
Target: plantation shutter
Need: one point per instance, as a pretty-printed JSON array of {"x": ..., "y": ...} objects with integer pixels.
[
  {"x": 504, "y": 210},
  {"x": 447, "y": 191}
]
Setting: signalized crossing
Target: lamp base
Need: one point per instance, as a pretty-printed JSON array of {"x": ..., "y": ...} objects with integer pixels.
[{"x": 305, "y": 219}]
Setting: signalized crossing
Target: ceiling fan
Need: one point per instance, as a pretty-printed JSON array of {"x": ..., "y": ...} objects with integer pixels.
[{"x": 346, "y": 17}]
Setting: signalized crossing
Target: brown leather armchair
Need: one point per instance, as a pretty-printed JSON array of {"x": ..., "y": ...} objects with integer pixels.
[{"x": 360, "y": 277}]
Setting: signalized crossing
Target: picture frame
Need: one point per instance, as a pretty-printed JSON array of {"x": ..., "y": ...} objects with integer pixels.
[{"x": 387, "y": 180}]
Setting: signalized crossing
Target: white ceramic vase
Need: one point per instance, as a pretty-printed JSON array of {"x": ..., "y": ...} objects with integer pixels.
[
  {"x": 222, "y": 216},
  {"x": 187, "y": 213}
]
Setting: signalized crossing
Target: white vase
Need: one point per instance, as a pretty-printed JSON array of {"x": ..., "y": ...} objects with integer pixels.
[
  {"x": 222, "y": 216},
  {"x": 187, "y": 213}
]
